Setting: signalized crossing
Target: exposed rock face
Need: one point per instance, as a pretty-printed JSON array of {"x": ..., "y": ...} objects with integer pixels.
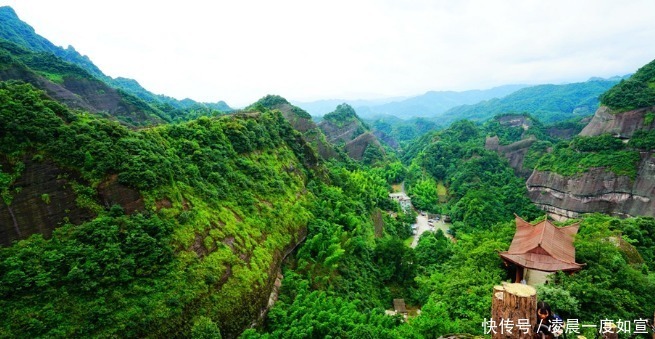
[
  {"x": 311, "y": 133},
  {"x": 353, "y": 135},
  {"x": 112, "y": 192},
  {"x": 600, "y": 190},
  {"x": 88, "y": 94},
  {"x": 566, "y": 133},
  {"x": 43, "y": 202},
  {"x": 514, "y": 152},
  {"x": 516, "y": 121},
  {"x": 341, "y": 134},
  {"x": 357, "y": 147},
  {"x": 387, "y": 139},
  {"x": 55, "y": 91},
  {"x": 104, "y": 99},
  {"x": 621, "y": 125},
  {"x": 597, "y": 190}
]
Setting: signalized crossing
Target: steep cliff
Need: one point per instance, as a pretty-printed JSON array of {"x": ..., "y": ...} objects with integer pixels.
[
  {"x": 596, "y": 190},
  {"x": 143, "y": 231},
  {"x": 514, "y": 152},
  {"x": 519, "y": 138},
  {"x": 609, "y": 167},
  {"x": 302, "y": 122},
  {"x": 343, "y": 127},
  {"x": 621, "y": 125}
]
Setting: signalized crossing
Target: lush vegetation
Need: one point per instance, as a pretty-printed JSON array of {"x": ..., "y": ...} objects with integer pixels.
[
  {"x": 643, "y": 140},
  {"x": 402, "y": 132},
  {"x": 483, "y": 189},
  {"x": 345, "y": 114},
  {"x": 618, "y": 256},
  {"x": 583, "y": 153},
  {"x": 224, "y": 198},
  {"x": 638, "y": 91},
  {"x": 227, "y": 197},
  {"x": 510, "y": 128}
]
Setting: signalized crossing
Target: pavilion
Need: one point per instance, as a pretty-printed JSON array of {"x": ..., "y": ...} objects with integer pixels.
[{"x": 539, "y": 249}]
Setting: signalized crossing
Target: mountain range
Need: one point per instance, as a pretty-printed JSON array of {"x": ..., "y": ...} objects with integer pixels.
[
  {"x": 426, "y": 105},
  {"x": 129, "y": 214},
  {"x": 554, "y": 103},
  {"x": 17, "y": 31}
]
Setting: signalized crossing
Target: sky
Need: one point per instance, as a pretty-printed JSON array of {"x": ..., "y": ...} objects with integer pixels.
[{"x": 241, "y": 50}]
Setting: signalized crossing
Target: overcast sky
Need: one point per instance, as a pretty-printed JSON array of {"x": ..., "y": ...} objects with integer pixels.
[{"x": 239, "y": 51}]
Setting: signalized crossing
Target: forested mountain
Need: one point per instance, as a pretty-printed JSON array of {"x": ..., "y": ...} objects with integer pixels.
[
  {"x": 302, "y": 122},
  {"x": 14, "y": 30},
  {"x": 344, "y": 128},
  {"x": 259, "y": 223},
  {"x": 638, "y": 91},
  {"x": 548, "y": 103},
  {"x": 523, "y": 139},
  {"x": 396, "y": 132},
  {"x": 73, "y": 85},
  {"x": 182, "y": 220},
  {"x": 22, "y": 34},
  {"x": 609, "y": 167}
]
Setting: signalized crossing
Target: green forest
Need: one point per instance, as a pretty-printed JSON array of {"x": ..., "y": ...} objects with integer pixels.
[
  {"x": 130, "y": 214},
  {"x": 226, "y": 197}
]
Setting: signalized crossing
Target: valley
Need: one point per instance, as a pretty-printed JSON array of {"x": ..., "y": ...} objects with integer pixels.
[{"x": 130, "y": 214}]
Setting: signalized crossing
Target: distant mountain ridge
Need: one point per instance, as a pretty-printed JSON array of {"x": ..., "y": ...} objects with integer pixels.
[
  {"x": 17, "y": 31},
  {"x": 548, "y": 103},
  {"x": 73, "y": 86},
  {"x": 426, "y": 105},
  {"x": 434, "y": 103}
]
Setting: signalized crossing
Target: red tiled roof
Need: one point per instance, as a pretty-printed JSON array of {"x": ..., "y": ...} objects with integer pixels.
[{"x": 543, "y": 246}]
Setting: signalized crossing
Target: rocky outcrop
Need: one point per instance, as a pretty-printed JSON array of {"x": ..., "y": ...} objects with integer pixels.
[
  {"x": 312, "y": 134},
  {"x": 42, "y": 200},
  {"x": 387, "y": 139},
  {"x": 514, "y": 152},
  {"x": 516, "y": 121},
  {"x": 341, "y": 133},
  {"x": 348, "y": 130},
  {"x": 597, "y": 190},
  {"x": 111, "y": 192},
  {"x": 357, "y": 147},
  {"x": 621, "y": 125}
]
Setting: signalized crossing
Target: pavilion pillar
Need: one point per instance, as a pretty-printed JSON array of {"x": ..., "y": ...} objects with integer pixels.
[{"x": 520, "y": 272}]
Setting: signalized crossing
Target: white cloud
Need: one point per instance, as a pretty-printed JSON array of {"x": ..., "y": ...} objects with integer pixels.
[{"x": 239, "y": 51}]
